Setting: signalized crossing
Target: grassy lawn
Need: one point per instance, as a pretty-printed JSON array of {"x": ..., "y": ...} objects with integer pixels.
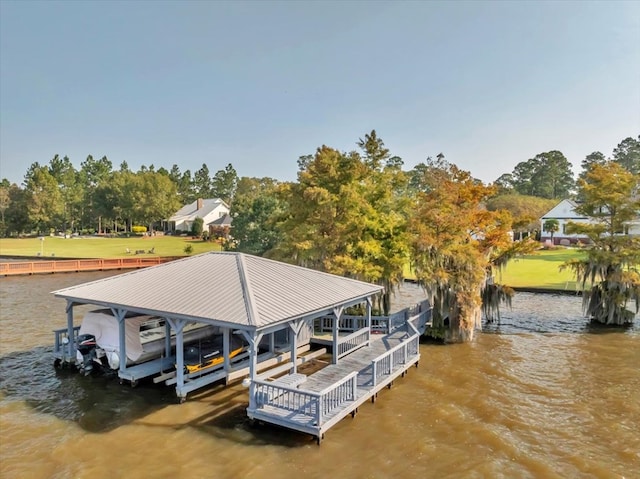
[
  {"x": 538, "y": 270},
  {"x": 541, "y": 270},
  {"x": 98, "y": 247},
  {"x": 534, "y": 271}
]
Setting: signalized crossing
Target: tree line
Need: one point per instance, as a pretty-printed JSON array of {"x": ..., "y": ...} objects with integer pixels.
[{"x": 358, "y": 214}]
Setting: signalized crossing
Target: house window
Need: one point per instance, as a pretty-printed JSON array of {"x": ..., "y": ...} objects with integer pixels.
[{"x": 564, "y": 229}]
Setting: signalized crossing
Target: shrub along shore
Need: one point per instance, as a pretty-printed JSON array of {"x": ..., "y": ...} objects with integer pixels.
[{"x": 538, "y": 271}]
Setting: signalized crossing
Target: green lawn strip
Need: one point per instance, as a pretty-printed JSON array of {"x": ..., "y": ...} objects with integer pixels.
[
  {"x": 102, "y": 247},
  {"x": 540, "y": 270},
  {"x": 531, "y": 271}
]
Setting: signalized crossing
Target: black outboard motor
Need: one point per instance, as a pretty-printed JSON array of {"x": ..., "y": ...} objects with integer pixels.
[{"x": 87, "y": 347}]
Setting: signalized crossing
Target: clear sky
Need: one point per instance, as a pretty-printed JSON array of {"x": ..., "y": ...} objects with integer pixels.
[{"x": 257, "y": 84}]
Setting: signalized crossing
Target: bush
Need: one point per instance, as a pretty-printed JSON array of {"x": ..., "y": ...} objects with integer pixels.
[
  {"x": 188, "y": 249},
  {"x": 197, "y": 227},
  {"x": 138, "y": 229}
]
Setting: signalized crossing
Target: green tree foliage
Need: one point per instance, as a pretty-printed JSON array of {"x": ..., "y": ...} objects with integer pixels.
[
  {"x": 197, "y": 226},
  {"x": 224, "y": 184},
  {"x": 202, "y": 182},
  {"x": 526, "y": 211},
  {"x": 344, "y": 215},
  {"x": 611, "y": 199},
  {"x": 547, "y": 175},
  {"x": 5, "y": 202},
  {"x": 15, "y": 214},
  {"x": 71, "y": 190},
  {"x": 93, "y": 173},
  {"x": 44, "y": 199},
  {"x": 552, "y": 226},
  {"x": 595, "y": 158},
  {"x": 627, "y": 155},
  {"x": 255, "y": 210}
]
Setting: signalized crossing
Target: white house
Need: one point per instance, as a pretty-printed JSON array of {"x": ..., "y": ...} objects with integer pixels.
[
  {"x": 565, "y": 213},
  {"x": 208, "y": 209}
]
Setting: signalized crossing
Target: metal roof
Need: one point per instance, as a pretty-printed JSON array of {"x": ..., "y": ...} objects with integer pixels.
[{"x": 236, "y": 288}]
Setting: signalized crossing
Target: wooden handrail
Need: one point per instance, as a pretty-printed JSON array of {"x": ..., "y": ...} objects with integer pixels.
[{"x": 76, "y": 265}]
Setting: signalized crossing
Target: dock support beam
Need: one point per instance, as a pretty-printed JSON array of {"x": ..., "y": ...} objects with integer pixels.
[
  {"x": 337, "y": 313},
  {"x": 225, "y": 350},
  {"x": 70, "y": 334},
  {"x": 253, "y": 340},
  {"x": 368, "y": 320},
  {"x": 178, "y": 326},
  {"x": 295, "y": 329},
  {"x": 119, "y": 314}
]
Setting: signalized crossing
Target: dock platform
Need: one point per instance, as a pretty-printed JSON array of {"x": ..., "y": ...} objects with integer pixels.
[{"x": 327, "y": 396}]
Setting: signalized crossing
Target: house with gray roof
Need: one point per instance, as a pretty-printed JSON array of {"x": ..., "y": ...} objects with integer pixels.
[{"x": 208, "y": 209}]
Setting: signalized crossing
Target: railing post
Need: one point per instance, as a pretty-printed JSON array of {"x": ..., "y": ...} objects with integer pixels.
[
  {"x": 374, "y": 368},
  {"x": 354, "y": 390}
]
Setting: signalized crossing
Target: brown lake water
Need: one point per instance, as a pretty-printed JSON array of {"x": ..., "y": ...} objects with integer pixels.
[{"x": 538, "y": 396}]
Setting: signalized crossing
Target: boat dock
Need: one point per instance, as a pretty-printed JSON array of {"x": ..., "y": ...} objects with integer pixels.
[
  {"x": 285, "y": 316},
  {"x": 313, "y": 404}
]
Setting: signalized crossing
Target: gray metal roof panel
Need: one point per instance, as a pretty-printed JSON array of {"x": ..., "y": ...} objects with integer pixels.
[{"x": 231, "y": 287}]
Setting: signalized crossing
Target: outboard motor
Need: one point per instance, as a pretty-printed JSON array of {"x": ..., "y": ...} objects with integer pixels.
[{"x": 87, "y": 347}]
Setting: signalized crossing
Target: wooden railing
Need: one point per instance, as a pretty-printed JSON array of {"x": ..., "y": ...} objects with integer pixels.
[
  {"x": 75, "y": 265},
  {"x": 61, "y": 345},
  {"x": 317, "y": 405},
  {"x": 384, "y": 364},
  {"x": 347, "y": 323},
  {"x": 352, "y": 342}
]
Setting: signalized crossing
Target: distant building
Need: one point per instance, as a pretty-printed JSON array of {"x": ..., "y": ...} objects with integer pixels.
[
  {"x": 564, "y": 212},
  {"x": 209, "y": 210}
]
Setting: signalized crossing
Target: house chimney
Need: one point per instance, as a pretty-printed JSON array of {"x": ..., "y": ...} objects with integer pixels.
[{"x": 199, "y": 205}]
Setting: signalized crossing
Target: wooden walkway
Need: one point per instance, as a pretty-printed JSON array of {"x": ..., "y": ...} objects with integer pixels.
[
  {"x": 327, "y": 396},
  {"x": 73, "y": 266}
]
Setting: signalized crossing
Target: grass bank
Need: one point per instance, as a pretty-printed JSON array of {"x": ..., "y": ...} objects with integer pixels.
[
  {"x": 538, "y": 270},
  {"x": 541, "y": 270},
  {"x": 102, "y": 247}
]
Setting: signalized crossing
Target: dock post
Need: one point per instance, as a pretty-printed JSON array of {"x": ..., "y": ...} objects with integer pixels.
[
  {"x": 70, "y": 334},
  {"x": 178, "y": 326},
  {"x": 337, "y": 313},
  {"x": 122, "y": 343},
  {"x": 225, "y": 351}
]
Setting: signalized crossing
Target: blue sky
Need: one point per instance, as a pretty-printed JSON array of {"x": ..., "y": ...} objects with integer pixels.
[{"x": 257, "y": 84}]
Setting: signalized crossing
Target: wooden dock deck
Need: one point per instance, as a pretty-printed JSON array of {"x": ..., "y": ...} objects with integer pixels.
[
  {"x": 76, "y": 265},
  {"x": 325, "y": 397}
]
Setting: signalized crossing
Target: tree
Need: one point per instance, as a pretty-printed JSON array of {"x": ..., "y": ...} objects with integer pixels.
[
  {"x": 547, "y": 175},
  {"x": 595, "y": 158},
  {"x": 611, "y": 200},
  {"x": 44, "y": 199},
  {"x": 202, "y": 182},
  {"x": 93, "y": 173},
  {"x": 197, "y": 226},
  {"x": 5, "y": 202},
  {"x": 525, "y": 211},
  {"x": 345, "y": 215},
  {"x": 224, "y": 184},
  {"x": 627, "y": 155},
  {"x": 456, "y": 244},
  {"x": 551, "y": 225},
  {"x": 70, "y": 189},
  {"x": 255, "y": 210}
]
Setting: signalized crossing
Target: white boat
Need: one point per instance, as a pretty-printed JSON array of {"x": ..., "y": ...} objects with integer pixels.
[{"x": 98, "y": 340}]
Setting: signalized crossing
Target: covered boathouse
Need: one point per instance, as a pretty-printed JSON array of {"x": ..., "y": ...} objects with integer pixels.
[{"x": 279, "y": 310}]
